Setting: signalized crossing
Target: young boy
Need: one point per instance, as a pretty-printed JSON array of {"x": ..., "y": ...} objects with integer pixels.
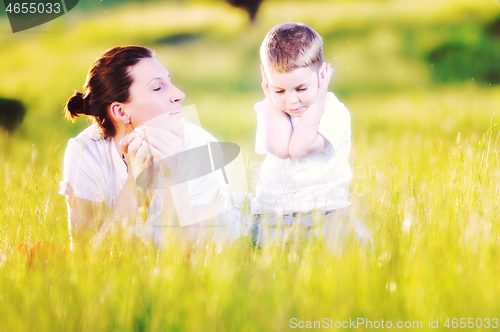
[{"x": 306, "y": 133}]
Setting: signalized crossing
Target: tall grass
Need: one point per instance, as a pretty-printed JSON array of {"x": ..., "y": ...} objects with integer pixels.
[{"x": 431, "y": 207}]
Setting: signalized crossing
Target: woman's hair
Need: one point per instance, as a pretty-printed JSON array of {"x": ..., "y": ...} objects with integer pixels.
[
  {"x": 289, "y": 46},
  {"x": 108, "y": 81}
]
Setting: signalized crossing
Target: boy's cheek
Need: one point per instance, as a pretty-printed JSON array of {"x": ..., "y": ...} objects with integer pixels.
[
  {"x": 275, "y": 101},
  {"x": 313, "y": 97}
]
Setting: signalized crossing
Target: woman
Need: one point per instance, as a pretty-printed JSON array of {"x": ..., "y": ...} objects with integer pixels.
[{"x": 125, "y": 89}]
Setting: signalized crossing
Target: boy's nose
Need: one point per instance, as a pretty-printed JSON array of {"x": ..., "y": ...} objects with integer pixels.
[
  {"x": 177, "y": 95},
  {"x": 292, "y": 98}
]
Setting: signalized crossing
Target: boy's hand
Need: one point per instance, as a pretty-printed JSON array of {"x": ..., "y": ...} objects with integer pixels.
[
  {"x": 267, "y": 92},
  {"x": 306, "y": 141},
  {"x": 324, "y": 77}
]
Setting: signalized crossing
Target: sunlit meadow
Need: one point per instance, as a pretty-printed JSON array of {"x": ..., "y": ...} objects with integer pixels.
[{"x": 425, "y": 162}]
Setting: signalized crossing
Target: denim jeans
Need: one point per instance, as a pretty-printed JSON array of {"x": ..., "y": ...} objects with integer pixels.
[{"x": 333, "y": 226}]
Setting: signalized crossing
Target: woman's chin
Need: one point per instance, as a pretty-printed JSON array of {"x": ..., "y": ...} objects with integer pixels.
[
  {"x": 165, "y": 120},
  {"x": 175, "y": 114}
]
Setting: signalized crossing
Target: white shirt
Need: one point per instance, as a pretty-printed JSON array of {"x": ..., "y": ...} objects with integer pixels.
[
  {"x": 312, "y": 183},
  {"x": 96, "y": 172}
]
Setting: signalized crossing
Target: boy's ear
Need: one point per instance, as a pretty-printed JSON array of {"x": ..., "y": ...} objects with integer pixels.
[
  {"x": 322, "y": 70},
  {"x": 118, "y": 113},
  {"x": 263, "y": 72}
]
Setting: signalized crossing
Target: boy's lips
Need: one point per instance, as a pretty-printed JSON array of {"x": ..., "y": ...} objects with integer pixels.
[{"x": 295, "y": 110}]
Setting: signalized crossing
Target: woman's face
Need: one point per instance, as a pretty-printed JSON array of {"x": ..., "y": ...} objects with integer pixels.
[{"x": 152, "y": 94}]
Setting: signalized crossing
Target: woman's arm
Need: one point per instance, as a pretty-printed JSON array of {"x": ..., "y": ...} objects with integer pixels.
[
  {"x": 196, "y": 220},
  {"x": 89, "y": 221},
  {"x": 85, "y": 217}
]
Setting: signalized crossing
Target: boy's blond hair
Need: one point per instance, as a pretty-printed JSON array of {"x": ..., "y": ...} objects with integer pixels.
[{"x": 289, "y": 46}]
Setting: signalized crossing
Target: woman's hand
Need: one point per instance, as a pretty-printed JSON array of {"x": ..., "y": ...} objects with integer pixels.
[
  {"x": 137, "y": 153},
  {"x": 163, "y": 142},
  {"x": 147, "y": 147}
]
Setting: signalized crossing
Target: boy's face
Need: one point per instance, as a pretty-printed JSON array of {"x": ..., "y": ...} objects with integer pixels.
[{"x": 293, "y": 92}]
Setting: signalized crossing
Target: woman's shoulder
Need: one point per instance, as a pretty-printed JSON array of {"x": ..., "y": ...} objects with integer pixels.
[
  {"x": 87, "y": 141},
  {"x": 91, "y": 133}
]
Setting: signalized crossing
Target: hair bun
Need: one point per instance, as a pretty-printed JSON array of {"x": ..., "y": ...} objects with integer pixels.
[{"x": 77, "y": 105}]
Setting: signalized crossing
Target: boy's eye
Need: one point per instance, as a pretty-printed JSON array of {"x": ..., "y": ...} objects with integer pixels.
[
  {"x": 157, "y": 89},
  {"x": 301, "y": 89},
  {"x": 280, "y": 91}
]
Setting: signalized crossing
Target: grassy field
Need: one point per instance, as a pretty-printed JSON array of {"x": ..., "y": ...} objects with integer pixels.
[{"x": 425, "y": 162}]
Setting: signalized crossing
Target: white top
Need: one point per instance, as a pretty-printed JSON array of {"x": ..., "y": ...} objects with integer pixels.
[
  {"x": 318, "y": 182},
  {"x": 97, "y": 173}
]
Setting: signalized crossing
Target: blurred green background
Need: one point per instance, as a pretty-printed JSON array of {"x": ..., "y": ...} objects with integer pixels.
[{"x": 385, "y": 53}]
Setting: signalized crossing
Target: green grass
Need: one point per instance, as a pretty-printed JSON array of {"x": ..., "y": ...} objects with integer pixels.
[{"x": 425, "y": 163}]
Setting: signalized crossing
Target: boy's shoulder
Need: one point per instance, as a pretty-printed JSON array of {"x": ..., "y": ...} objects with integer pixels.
[
  {"x": 261, "y": 107},
  {"x": 332, "y": 103},
  {"x": 335, "y": 109}
]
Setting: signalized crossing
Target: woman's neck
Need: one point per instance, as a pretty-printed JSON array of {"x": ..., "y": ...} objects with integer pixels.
[{"x": 121, "y": 132}]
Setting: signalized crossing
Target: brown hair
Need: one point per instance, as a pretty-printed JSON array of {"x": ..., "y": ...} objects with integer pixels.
[
  {"x": 289, "y": 46},
  {"x": 108, "y": 81}
]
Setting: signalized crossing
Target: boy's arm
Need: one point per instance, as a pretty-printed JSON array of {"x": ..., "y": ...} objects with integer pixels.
[
  {"x": 305, "y": 140},
  {"x": 279, "y": 127},
  {"x": 278, "y": 132}
]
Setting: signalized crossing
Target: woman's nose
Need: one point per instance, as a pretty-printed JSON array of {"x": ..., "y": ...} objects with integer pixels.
[{"x": 177, "y": 95}]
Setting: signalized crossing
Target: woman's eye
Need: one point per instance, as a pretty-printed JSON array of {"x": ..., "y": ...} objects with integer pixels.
[{"x": 157, "y": 89}]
